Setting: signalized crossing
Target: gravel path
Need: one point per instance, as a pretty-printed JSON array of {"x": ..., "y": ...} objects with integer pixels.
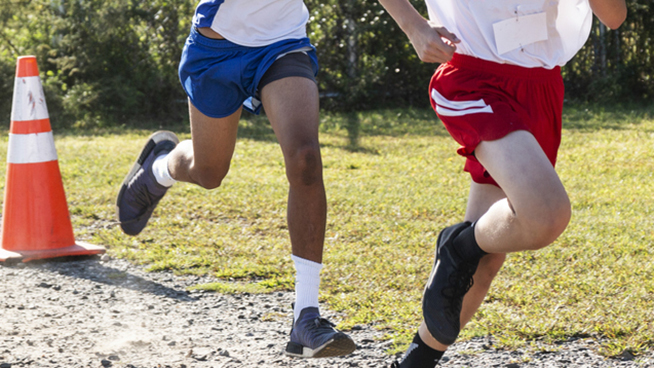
[{"x": 105, "y": 312}]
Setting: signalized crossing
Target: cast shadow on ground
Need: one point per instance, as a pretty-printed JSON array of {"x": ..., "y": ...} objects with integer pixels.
[{"x": 91, "y": 268}]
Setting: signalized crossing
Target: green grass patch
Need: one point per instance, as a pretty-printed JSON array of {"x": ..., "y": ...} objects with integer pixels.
[
  {"x": 231, "y": 288},
  {"x": 388, "y": 198}
]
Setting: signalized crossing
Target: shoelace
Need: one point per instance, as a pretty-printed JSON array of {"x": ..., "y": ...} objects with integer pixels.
[
  {"x": 460, "y": 282},
  {"x": 323, "y": 324},
  {"x": 318, "y": 329},
  {"x": 141, "y": 194}
]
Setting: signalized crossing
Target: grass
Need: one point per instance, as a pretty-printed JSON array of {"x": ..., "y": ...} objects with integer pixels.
[{"x": 388, "y": 199}]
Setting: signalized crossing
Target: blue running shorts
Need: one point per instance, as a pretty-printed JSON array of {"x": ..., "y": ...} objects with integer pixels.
[{"x": 219, "y": 76}]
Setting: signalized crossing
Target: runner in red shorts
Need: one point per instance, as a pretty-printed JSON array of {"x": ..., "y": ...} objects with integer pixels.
[{"x": 499, "y": 93}]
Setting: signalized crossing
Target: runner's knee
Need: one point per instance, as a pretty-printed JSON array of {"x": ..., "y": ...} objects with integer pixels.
[
  {"x": 548, "y": 224},
  {"x": 209, "y": 177},
  {"x": 304, "y": 166}
]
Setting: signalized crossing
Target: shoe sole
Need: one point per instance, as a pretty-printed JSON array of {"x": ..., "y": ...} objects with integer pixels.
[
  {"x": 341, "y": 345},
  {"x": 156, "y": 137}
]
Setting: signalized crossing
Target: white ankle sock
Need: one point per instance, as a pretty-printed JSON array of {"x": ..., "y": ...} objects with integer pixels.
[
  {"x": 160, "y": 171},
  {"x": 307, "y": 284}
]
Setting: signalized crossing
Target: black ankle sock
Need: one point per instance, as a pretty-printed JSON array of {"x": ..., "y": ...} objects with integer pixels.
[
  {"x": 466, "y": 245},
  {"x": 419, "y": 355}
]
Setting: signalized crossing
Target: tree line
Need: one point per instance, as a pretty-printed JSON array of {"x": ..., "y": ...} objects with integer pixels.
[{"x": 115, "y": 61}]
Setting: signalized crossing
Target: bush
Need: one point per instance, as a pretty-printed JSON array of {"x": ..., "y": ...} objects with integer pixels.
[
  {"x": 115, "y": 61},
  {"x": 366, "y": 60},
  {"x": 101, "y": 60}
]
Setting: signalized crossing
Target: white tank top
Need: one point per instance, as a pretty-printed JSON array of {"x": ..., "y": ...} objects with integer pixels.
[
  {"x": 254, "y": 23},
  {"x": 528, "y": 33}
]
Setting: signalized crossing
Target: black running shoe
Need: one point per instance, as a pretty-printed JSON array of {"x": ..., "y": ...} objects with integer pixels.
[
  {"x": 140, "y": 192},
  {"x": 450, "y": 280},
  {"x": 315, "y": 337}
]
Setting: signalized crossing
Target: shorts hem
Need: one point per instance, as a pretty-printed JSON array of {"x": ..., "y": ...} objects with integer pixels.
[{"x": 216, "y": 116}]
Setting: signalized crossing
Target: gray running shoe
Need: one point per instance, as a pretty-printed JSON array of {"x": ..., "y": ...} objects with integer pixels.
[
  {"x": 315, "y": 337},
  {"x": 450, "y": 280},
  {"x": 140, "y": 192}
]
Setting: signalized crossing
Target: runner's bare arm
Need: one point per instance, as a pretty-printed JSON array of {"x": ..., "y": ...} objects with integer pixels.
[
  {"x": 611, "y": 12},
  {"x": 433, "y": 44}
]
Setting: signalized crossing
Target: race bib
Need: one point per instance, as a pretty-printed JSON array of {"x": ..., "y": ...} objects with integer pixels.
[{"x": 520, "y": 31}]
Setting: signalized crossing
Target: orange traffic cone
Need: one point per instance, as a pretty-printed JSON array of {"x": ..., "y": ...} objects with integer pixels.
[{"x": 35, "y": 219}]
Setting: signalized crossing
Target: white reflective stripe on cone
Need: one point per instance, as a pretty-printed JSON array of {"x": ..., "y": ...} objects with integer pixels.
[
  {"x": 29, "y": 101},
  {"x": 31, "y": 148}
]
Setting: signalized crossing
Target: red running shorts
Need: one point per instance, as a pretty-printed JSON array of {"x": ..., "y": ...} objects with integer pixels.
[{"x": 480, "y": 100}]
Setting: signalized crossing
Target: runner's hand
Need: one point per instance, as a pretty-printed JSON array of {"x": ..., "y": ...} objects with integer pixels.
[{"x": 433, "y": 44}]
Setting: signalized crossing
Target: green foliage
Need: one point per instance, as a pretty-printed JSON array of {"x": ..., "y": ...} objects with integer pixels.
[
  {"x": 615, "y": 65},
  {"x": 366, "y": 60},
  {"x": 101, "y": 59},
  {"x": 115, "y": 61}
]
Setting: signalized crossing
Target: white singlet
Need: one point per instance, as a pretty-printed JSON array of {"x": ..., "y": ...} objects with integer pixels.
[
  {"x": 254, "y": 23},
  {"x": 528, "y": 33}
]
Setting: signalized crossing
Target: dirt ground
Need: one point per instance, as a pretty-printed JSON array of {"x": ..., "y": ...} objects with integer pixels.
[{"x": 104, "y": 312}]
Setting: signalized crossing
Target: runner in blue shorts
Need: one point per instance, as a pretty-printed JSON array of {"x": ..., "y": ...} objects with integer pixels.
[{"x": 249, "y": 54}]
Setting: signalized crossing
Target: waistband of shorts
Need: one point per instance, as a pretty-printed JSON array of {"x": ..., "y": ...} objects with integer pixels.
[
  {"x": 197, "y": 37},
  {"x": 506, "y": 70},
  {"x": 224, "y": 44}
]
